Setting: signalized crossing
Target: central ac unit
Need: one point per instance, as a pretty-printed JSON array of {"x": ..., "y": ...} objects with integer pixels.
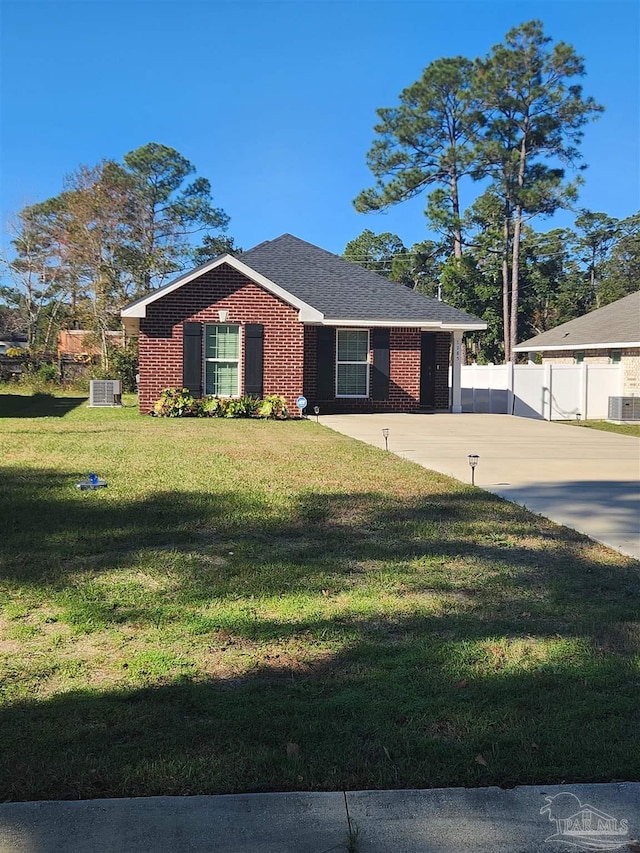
[
  {"x": 105, "y": 392},
  {"x": 624, "y": 408}
]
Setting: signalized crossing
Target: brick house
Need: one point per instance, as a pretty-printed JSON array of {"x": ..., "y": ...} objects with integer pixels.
[
  {"x": 608, "y": 335},
  {"x": 289, "y": 318}
]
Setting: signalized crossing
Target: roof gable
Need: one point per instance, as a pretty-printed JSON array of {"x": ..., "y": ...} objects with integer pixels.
[
  {"x": 139, "y": 307},
  {"x": 325, "y": 288},
  {"x": 615, "y": 324}
]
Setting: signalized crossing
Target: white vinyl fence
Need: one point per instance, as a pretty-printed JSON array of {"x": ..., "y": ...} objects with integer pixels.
[{"x": 555, "y": 392}]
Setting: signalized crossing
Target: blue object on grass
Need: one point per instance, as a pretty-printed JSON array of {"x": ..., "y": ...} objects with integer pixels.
[{"x": 92, "y": 482}]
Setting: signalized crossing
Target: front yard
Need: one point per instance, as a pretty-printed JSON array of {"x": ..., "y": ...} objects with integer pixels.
[{"x": 259, "y": 606}]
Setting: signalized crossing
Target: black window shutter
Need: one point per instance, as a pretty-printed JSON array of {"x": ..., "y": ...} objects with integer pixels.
[
  {"x": 325, "y": 362},
  {"x": 253, "y": 359},
  {"x": 381, "y": 363},
  {"x": 192, "y": 357}
]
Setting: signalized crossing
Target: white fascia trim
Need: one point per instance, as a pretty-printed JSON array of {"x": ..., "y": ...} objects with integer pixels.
[
  {"x": 464, "y": 327},
  {"x": 306, "y": 313},
  {"x": 560, "y": 347},
  {"x": 405, "y": 324}
]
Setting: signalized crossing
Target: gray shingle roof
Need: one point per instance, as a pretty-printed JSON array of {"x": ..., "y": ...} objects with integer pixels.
[
  {"x": 342, "y": 290},
  {"x": 616, "y": 323}
]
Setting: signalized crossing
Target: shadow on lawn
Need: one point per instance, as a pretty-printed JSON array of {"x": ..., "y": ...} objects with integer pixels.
[
  {"x": 374, "y": 716},
  {"x": 37, "y": 405},
  {"x": 394, "y": 702}
]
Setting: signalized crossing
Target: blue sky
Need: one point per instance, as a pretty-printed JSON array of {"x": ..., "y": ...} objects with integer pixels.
[{"x": 275, "y": 102}]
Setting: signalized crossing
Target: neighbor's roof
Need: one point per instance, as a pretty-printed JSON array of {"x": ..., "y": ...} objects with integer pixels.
[
  {"x": 326, "y": 289},
  {"x": 616, "y": 324}
]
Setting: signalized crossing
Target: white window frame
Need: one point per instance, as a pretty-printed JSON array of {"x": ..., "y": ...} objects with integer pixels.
[
  {"x": 368, "y": 363},
  {"x": 223, "y": 360}
]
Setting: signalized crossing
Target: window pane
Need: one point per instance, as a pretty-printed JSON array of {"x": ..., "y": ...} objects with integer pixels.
[
  {"x": 353, "y": 346},
  {"x": 222, "y": 378},
  {"x": 352, "y": 379},
  {"x": 222, "y": 342}
]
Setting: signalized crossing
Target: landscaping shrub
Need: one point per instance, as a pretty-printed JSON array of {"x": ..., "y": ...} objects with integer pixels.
[
  {"x": 180, "y": 403},
  {"x": 273, "y": 406},
  {"x": 177, "y": 403},
  {"x": 48, "y": 373}
]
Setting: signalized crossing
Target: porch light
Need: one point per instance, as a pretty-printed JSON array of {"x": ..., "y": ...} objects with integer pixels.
[
  {"x": 385, "y": 433},
  {"x": 316, "y": 412},
  {"x": 473, "y": 461}
]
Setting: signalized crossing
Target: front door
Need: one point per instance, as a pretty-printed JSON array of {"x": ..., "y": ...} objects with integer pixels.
[{"x": 428, "y": 371}]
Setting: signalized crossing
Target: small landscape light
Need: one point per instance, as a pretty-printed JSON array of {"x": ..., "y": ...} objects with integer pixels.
[
  {"x": 316, "y": 412},
  {"x": 385, "y": 433},
  {"x": 578, "y": 417},
  {"x": 473, "y": 461}
]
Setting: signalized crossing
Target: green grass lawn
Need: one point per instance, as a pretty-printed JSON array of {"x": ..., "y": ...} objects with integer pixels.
[
  {"x": 259, "y": 606},
  {"x": 607, "y": 426}
]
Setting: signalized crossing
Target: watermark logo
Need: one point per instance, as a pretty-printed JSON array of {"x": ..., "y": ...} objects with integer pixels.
[{"x": 583, "y": 825}]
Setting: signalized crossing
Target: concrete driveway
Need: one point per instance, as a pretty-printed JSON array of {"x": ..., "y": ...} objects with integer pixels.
[{"x": 583, "y": 478}]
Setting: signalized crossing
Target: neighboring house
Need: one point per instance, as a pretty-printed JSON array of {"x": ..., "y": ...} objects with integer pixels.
[
  {"x": 289, "y": 318},
  {"x": 609, "y": 335},
  {"x": 12, "y": 340}
]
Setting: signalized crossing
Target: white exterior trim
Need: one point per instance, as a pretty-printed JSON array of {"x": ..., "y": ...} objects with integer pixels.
[
  {"x": 433, "y": 326},
  {"x": 368, "y": 363},
  {"x": 213, "y": 360},
  {"x": 456, "y": 374},
  {"x": 576, "y": 346},
  {"x": 306, "y": 313}
]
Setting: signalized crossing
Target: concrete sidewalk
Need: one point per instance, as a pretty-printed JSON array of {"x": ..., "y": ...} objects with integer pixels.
[
  {"x": 447, "y": 820},
  {"x": 583, "y": 478}
]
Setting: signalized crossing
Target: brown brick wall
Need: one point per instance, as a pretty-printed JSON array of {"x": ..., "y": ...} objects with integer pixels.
[
  {"x": 199, "y": 301},
  {"x": 404, "y": 379}
]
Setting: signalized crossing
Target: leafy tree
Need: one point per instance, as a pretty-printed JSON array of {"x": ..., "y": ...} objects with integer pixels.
[
  {"x": 9, "y": 310},
  {"x": 39, "y": 283},
  {"x": 374, "y": 252},
  {"x": 426, "y": 142},
  {"x": 621, "y": 271},
  {"x": 212, "y": 246},
  {"x": 534, "y": 116},
  {"x": 597, "y": 233},
  {"x": 96, "y": 232},
  {"x": 114, "y": 232},
  {"x": 420, "y": 267},
  {"x": 552, "y": 286},
  {"x": 472, "y": 284},
  {"x": 167, "y": 212}
]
